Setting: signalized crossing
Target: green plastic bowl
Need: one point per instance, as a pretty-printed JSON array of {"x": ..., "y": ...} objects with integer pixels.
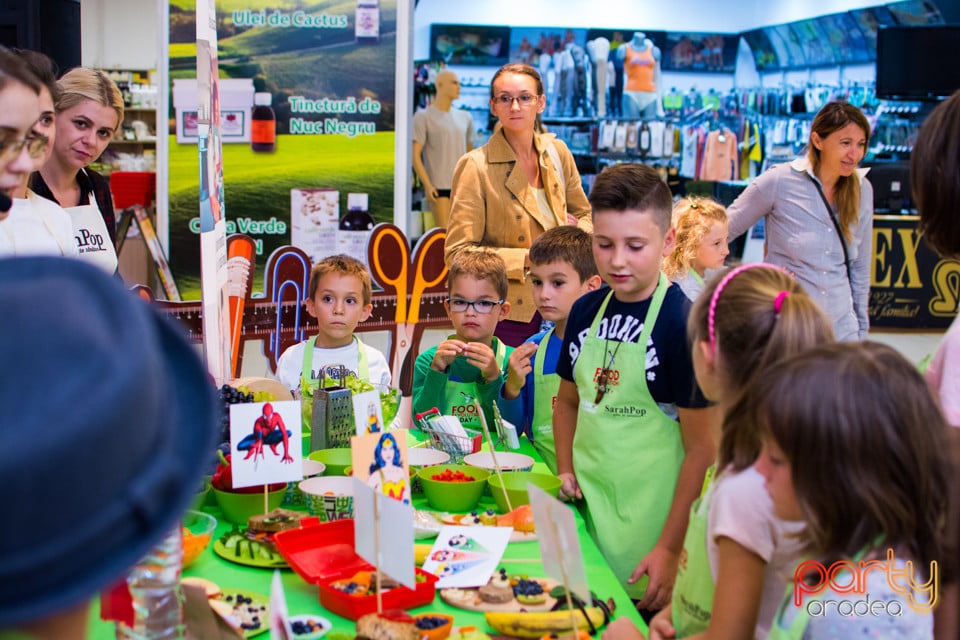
[
  {"x": 202, "y": 497},
  {"x": 516, "y": 485},
  {"x": 200, "y": 526},
  {"x": 336, "y": 460},
  {"x": 238, "y": 507},
  {"x": 457, "y": 497}
]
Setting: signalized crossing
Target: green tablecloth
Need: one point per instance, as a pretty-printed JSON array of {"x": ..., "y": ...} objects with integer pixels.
[{"x": 304, "y": 598}]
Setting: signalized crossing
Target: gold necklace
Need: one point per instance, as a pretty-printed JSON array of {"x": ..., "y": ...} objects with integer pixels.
[{"x": 604, "y": 378}]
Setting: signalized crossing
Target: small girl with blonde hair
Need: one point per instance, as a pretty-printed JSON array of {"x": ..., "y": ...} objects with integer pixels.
[{"x": 701, "y": 226}]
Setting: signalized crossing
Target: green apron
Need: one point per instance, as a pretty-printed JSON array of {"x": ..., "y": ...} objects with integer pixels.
[
  {"x": 545, "y": 388},
  {"x": 626, "y": 451},
  {"x": 306, "y": 373},
  {"x": 693, "y": 591},
  {"x": 798, "y": 626},
  {"x": 459, "y": 396}
]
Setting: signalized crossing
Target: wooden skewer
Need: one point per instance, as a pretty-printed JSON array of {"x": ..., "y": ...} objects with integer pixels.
[
  {"x": 493, "y": 455},
  {"x": 376, "y": 547}
]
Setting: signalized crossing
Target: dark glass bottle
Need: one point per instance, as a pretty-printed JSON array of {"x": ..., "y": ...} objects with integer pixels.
[
  {"x": 263, "y": 124},
  {"x": 355, "y": 227}
]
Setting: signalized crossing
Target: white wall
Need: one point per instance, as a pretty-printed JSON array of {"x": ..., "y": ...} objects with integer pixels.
[{"x": 121, "y": 34}]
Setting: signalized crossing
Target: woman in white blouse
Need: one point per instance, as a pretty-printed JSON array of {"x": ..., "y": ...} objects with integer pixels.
[
  {"x": 818, "y": 212},
  {"x": 37, "y": 226}
]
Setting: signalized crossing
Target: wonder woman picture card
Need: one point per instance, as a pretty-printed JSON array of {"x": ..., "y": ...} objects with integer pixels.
[{"x": 380, "y": 460}]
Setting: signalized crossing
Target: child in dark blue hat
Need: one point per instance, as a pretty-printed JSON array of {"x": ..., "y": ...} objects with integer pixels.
[{"x": 110, "y": 417}]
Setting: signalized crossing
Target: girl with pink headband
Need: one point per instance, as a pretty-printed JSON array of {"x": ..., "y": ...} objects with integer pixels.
[{"x": 744, "y": 322}]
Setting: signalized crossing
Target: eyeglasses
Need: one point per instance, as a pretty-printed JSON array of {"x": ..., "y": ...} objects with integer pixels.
[
  {"x": 480, "y": 306},
  {"x": 506, "y": 100},
  {"x": 35, "y": 144}
]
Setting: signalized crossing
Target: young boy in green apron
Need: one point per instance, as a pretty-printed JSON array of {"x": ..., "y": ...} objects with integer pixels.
[
  {"x": 469, "y": 364},
  {"x": 339, "y": 298},
  {"x": 630, "y": 424},
  {"x": 561, "y": 270}
]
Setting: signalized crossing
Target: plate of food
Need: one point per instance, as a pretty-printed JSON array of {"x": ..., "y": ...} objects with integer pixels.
[
  {"x": 239, "y": 547},
  {"x": 309, "y": 627},
  {"x": 504, "y": 592},
  {"x": 521, "y": 519},
  {"x": 247, "y": 611}
]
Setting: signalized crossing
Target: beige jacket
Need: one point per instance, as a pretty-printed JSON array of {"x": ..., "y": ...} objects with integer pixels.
[{"x": 493, "y": 206}]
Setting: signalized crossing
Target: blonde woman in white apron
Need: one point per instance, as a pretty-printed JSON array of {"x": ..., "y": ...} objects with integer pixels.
[
  {"x": 89, "y": 112},
  {"x": 37, "y": 226}
]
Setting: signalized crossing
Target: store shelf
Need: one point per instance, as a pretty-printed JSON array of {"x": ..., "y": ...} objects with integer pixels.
[
  {"x": 134, "y": 147},
  {"x": 145, "y": 141}
]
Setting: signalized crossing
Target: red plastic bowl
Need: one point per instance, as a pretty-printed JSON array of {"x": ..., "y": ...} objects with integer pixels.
[{"x": 324, "y": 553}]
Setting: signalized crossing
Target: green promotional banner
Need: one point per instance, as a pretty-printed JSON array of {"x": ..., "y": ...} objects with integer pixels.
[{"x": 307, "y": 105}]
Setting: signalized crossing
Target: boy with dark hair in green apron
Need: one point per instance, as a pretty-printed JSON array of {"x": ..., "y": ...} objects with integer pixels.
[
  {"x": 469, "y": 364},
  {"x": 630, "y": 424},
  {"x": 561, "y": 270}
]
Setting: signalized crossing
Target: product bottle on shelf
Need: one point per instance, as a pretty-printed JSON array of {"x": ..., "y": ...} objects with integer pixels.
[
  {"x": 154, "y": 585},
  {"x": 263, "y": 123},
  {"x": 644, "y": 141},
  {"x": 355, "y": 227},
  {"x": 367, "y": 21},
  {"x": 632, "y": 131}
]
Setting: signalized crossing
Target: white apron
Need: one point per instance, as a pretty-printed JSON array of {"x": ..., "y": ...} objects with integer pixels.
[{"x": 93, "y": 239}]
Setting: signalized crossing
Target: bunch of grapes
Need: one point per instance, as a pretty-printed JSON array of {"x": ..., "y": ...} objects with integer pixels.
[{"x": 228, "y": 396}]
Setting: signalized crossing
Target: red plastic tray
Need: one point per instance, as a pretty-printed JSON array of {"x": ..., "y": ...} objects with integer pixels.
[{"x": 324, "y": 553}]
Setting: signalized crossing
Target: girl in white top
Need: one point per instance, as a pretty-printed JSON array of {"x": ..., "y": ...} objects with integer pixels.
[
  {"x": 701, "y": 225},
  {"x": 737, "y": 556},
  {"x": 855, "y": 447},
  {"x": 19, "y": 109},
  {"x": 37, "y": 226}
]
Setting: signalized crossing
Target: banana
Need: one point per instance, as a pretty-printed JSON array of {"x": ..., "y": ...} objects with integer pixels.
[
  {"x": 536, "y": 624},
  {"x": 420, "y": 553}
]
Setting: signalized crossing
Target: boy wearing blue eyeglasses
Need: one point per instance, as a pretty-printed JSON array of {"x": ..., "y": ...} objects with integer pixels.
[{"x": 469, "y": 364}]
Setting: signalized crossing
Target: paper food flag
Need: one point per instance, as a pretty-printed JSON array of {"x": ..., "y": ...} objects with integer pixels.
[
  {"x": 466, "y": 556},
  {"x": 265, "y": 443},
  {"x": 559, "y": 544},
  {"x": 449, "y": 555},
  {"x": 391, "y": 530},
  {"x": 380, "y": 461},
  {"x": 279, "y": 620},
  {"x": 366, "y": 412}
]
